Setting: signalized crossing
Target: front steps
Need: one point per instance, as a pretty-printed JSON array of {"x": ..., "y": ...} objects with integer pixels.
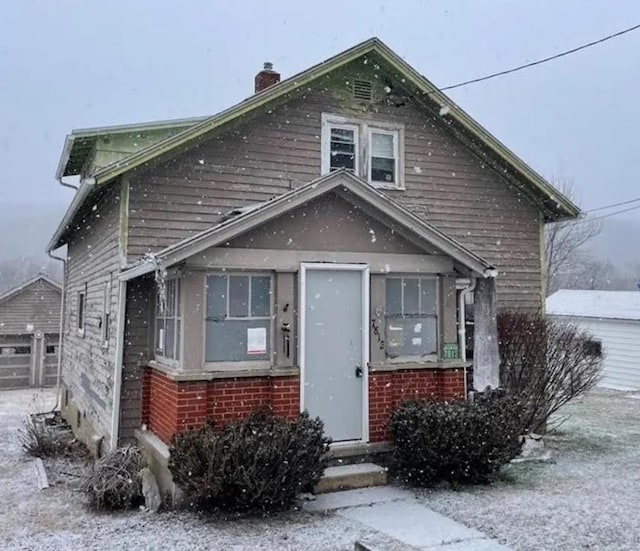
[{"x": 351, "y": 477}]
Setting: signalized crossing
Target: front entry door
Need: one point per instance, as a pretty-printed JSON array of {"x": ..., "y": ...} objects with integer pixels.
[{"x": 334, "y": 347}]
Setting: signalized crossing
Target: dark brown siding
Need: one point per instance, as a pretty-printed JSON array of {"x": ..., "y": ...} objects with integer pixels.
[
  {"x": 37, "y": 304},
  {"x": 280, "y": 149},
  {"x": 136, "y": 349}
]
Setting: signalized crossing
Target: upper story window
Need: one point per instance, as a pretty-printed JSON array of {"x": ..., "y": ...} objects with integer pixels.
[
  {"x": 238, "y": 317},
  {"x": 81, "y": 309},
  {"x": 168, "y": 321},
  {"x": 371, "y": 150}
]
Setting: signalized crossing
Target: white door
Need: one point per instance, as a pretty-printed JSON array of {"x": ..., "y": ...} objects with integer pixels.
[{"x": 334, "y": 347}]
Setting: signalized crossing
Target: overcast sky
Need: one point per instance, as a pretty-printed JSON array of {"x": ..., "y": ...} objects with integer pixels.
[{"x": 72, "y": 64}]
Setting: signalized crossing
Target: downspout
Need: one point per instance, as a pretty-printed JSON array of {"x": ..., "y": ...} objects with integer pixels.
[
  {"x": 462, "y": 330},
  {"x": 62, "y": 305},
  {"x": 117, "y": 364}
]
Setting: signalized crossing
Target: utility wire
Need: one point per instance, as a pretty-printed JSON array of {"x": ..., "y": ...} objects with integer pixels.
[
  {"x": 593, "y": 218},
  {"x": 541, "y": 61},
  {"x": 614, "y": 205}
]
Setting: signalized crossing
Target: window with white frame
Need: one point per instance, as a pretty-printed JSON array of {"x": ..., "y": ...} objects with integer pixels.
[
  {"x": 81, "y": 309},
  {"x": 369, "y": 149},
  {"x": 238, "y": 317},
  {"x": 105, "y": 322},
  {"x": 411, "y": 317},
  {"x": 168, "y": 320}
]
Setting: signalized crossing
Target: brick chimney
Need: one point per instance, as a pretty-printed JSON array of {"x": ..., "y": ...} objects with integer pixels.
[{"x": 267, "y": 77}]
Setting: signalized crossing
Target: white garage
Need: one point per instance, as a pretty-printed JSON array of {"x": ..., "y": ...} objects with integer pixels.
[{"x": 613, "y": 318}]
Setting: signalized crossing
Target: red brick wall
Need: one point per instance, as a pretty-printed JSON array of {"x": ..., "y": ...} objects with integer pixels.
[
  {"x": 169, "y": 406},
  {"x": 388, "y": 389}
]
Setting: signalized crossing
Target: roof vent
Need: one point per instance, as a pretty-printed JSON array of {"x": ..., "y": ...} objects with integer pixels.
[{"x": 363, "y": 89}]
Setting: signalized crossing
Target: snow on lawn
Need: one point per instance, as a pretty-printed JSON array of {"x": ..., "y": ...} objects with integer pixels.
[
  {"x": 589, "y": 498},
  {"x": 56, "y": 518}
]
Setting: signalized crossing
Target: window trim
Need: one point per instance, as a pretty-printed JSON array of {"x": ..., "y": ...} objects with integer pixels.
[
  {"x": 231, "y": 365},
  {"x": 106, "y": 313},
  {"x": 438, "y": 317},
  {"x": 179, "y": 316},
  {"x": 396, "y": 158},
  {"x": 81, "y": 316},
  {"x": 365, "y": 127}
]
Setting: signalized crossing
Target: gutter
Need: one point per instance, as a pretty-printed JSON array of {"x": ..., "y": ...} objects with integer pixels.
[
  {"x": 118, "y": 365},
  {"x": 82, "y": 193}
]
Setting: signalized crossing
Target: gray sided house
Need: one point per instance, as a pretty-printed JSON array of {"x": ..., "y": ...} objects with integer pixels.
[
  {"x": 312, "y": 247},
  {"x": 29, "y": 334}
]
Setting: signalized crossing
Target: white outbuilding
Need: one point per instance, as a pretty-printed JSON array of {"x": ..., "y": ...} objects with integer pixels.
[{"x": 613, "y": 318}]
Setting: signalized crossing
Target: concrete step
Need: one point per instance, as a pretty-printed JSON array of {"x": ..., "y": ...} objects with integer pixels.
[{"x": 350, "y": 477}]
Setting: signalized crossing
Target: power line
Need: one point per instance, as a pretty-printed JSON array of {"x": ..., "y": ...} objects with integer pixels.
[
  {"x": 614, "y": 205},
  {"x": 541, "y": 61},
  {"x": 591, "y": 219}
]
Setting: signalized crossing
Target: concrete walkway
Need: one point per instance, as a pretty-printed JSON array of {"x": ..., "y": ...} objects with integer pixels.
[{"x": 396, "y": 513}]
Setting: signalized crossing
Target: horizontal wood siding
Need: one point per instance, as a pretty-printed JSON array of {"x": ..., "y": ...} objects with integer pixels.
[
  {"x": 280, "y": 149},
  {"x": 137, "y": 348},
  {"x": 87, "y": 364},
  {"x": 621, "y": 346},
  {"x": 37, "y": 304}
]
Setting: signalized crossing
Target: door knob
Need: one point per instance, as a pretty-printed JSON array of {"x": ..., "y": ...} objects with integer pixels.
[{"x": 358, "y": 370}]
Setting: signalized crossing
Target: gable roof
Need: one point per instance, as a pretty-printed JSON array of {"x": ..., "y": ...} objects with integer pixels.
[
  {"x": 79, "y": 144},
  {"x": 261, "y": 213},
  {"x": 554, "y": 204},
  {"x": 24, "y": 286},
  {"x": 622, "y": 305}
]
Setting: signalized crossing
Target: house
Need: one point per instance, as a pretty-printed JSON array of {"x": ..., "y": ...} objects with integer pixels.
[
  {"x": 613, "y": 319},
  {"x": 29, "y": 334},
  {"x": 312, "y": 247}
]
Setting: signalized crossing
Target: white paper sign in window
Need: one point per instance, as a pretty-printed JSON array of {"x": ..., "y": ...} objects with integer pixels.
[{"x": 256, "y": 340}]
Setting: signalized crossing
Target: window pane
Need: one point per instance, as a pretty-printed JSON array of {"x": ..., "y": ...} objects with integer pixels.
[
  {"x": 411, "y": 337},
  {"x": 216, "y": 297},
  {"x": 343, "y": 149},
  {"x": 169, "y": 338},
  {"x": 228, "y": 340},
  {"x": 260, "y": 303},
  {"x": 394, "y": 296},
  {"x": 170, "y": 286},
  {"x": 177, "y": 339},
  {"x": 383, "y": 170},
  {"x": 428, "y": 296},
  {"x": 410, "y": 296},
  {"x": 382, "y": 145},
  {"x": 238, "y": 296}
]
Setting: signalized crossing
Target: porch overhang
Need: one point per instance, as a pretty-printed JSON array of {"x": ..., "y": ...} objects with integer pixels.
[{"x": 342, "y": 182}]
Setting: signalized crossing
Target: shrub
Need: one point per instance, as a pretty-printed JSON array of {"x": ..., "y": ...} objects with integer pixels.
[
  {"x": 113, "y": 482},
  {"x": 44, "y": 437},
  {"x": 460, "y": 442},
  {"x": 259, "y": 463},
  {"x": 545, "y": 363}
]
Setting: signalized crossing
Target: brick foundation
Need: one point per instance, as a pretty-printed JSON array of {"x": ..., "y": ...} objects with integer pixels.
[{"x": 169, "y": 406}]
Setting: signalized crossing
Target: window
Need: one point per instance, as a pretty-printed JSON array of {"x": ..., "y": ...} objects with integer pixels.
[
  {"x": 82, "y": 308},
  {"x": 238, "y": 318},
  {"x": 343, "y": 148},
  {"x": 371, "y": 150},
  {"x": 15, "y": 350},
  {"x": 50, "y": 349},
  {"x": 384, "y": 152},
  {"x": 105, "y": 313},
  {"x": 168, "y": 320},
  {"x": 411, "y": 317},
  {"x": 593, "y": 347}
]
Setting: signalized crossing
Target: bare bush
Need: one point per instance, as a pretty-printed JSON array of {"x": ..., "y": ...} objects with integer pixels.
[
  {"x": 546, "y": 363},
  {"x": 113, "y": 482},
  {"x": 45, "y": 436}
]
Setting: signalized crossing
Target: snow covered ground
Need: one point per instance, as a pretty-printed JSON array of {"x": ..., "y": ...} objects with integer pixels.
[{"x": 587, "y": 499}]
